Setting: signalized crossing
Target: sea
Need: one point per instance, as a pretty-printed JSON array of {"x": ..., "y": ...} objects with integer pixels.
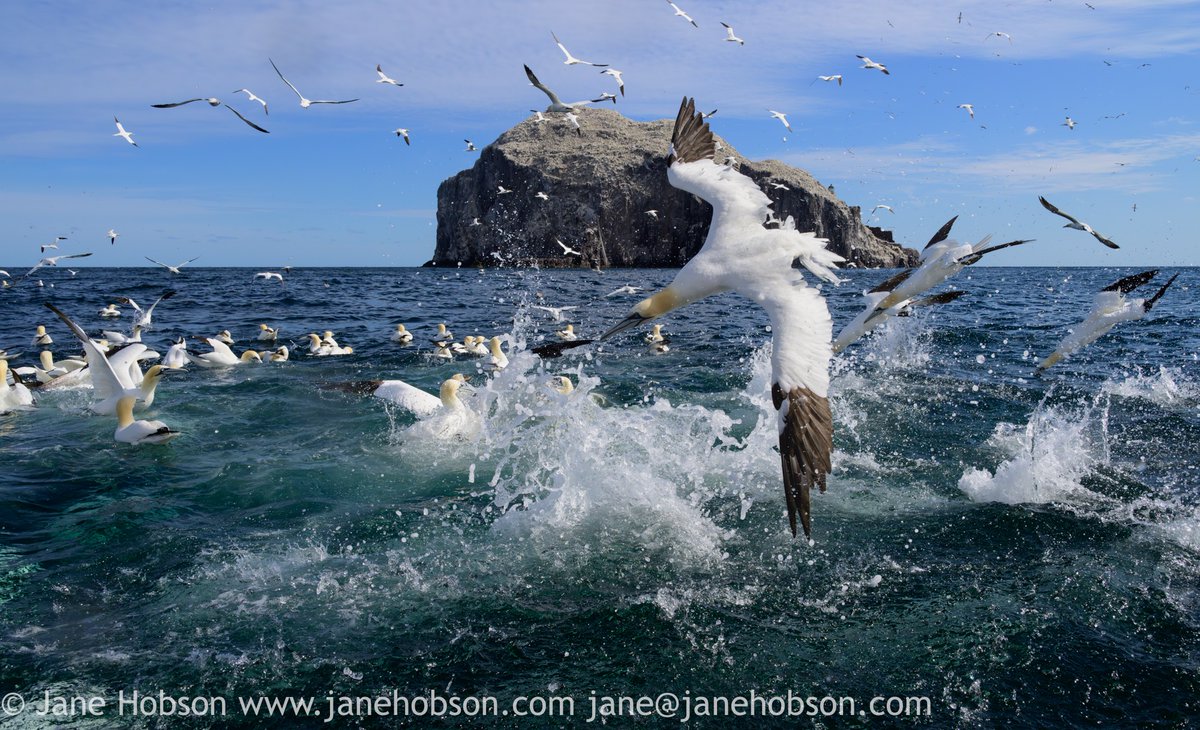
[{"x": 995, "y": 549}]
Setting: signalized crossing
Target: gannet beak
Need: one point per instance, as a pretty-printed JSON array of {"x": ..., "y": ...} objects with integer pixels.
[{"x": 633, "y": 320}]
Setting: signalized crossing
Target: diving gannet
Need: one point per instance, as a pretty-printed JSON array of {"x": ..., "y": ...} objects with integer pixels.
[
  {"x": 305, "y": 103},
  {"x": 1075, "y": 223},
  {"x": 741, "y": 255},
  {"x": 1110, "y": 307},
  {"x": 145, "y": 317},
  {"x": 781, "y": 117},
  {"x": 130, "y": 431},
  {"x": 118, "y": 338},
  {"x": 872, "y": 316}
]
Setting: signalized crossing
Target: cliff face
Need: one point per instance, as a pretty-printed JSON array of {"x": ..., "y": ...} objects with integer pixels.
[{"x": 600, "y": 186}]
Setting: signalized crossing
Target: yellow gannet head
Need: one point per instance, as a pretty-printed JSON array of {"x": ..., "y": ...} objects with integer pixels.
[
  {"x": 652, "y": 306},
  {"x": 449, "y": 392},
  {"x": 249, "y": 355},
  {"x": 3, "y": 373},
  {"x": 442, "y": 329},
  {"x": 563, "y": 384},
  {"x": 125, "y": 411},
  {"x": 47, "y": 360},
  {"x": 41, "y": 330},
  {"x": 494, "y": 345},
  {"x": 314, "y": 338},
  {"x": 153, "y": 375},
  {"x": 280, "y": 355},
  {"x": 400, "y": 328},
  {"x": 263, "y": 327}
]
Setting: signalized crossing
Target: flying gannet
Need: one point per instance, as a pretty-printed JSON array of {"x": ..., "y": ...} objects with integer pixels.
[
  {"x": 571, "y": 60},
  {"x": 832, "y": 77},
  {"x": 682, "y": 14},
  {"x": 729, "y": 36},
  {"x": 173, "y": 269},
  {"x": 556, "y": 104},
  {"x": 112, "y": 236},
  {"x": 741, "y": 255},
  {"x": 1110, "y": 308},
  {"x": 1075, "y": 223},
  {"x": 781, "y": 117},
  {"x": 252, "y": 97},
  {"x": 969, "y": 107},
  {"x": 53, "y": 261},
  {"x": 872, "y": 315},
  {"x": 213, "y": 101},
  {"x": 268, "y": 275},
  {"x": 567, "y": 250},
  {"x": 555, "y": 312},
  {"x": 306, "y": 103},
  {"x": 617, "y": 76},
  {"x": 384, "y": 78},
  {"x": 404, "y": 133},
  {"x": 127, "y": 136},
  {"x": 868, "y": 63}
]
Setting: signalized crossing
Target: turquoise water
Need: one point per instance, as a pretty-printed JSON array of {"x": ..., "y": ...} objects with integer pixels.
[{"x": 1021, "y": 551}]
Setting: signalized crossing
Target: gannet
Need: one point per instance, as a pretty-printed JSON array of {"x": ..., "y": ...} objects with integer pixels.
[
  {"x": 305, "y": 103},
  {"x": 12, "y": 396},
  {"x": 567, "y": 250},
  {"x": 470, "y": 146},
  {"x": 176, "y": 357},
  {"x": 555, "y": 312},
  {"x": 402, "y": 132},
  {"x": 556, "y": 104},
  {"x": 113, "y": 376},
  {"x": 501, "y": 190},
  {"x": 213, "y": 101},
  {"x": 221, "y": 355},
  {"x": 225, "y": 336},
  {"x": 562, "y": 384},
  {"x": 145, "y": 317},
  {"x": 46, "y": 246},
  {"x": 268, "y": 275},
  {"x": 655, "y": 335},
  {"x": 568, "y": 333},
  {"x": 53, "y": 261},
  {"x": 832, "y": 77},
  {"x": 682, "y": 14},
  {"x": 781, "y": 117},
  {"x": 318, "y": 347},
  {"x": 410, "y": 397},
  {"x": 127, "y": 136},
  {"x": 729, "y": 36},
  {"x": 969, "y": 107},
  {"x": 617, "y": 76},
  {"x": 384, "y": 78},
  {"x": 888, "y": 208},
  {"x": 173, "y": 269},
  {"x": 1110, "y": 307},
  {"x": 541, "y": 195},
  {"x": 267, "y": 334},
  {"x": 41, "y": 338},
  {"x": 940, "y": 259},
  {"x": 110, "y": 311},
  {"x": 402, "y": 335},
  {"x": 119, "y": 338},
  {"x": 130, "y": 431},
  {"x": 574, "y": 121},
  {"x": 497, "y": 360},
  {"x": 443, "y": 333},
  {"x": 1076, "y": 223},
  {"x": 541, "y": 117},
  {"x": 1069, "y": 124},
  {"x": 868, "y": 63},
  {"x": 741, "y": 255},
  {"x": 52, "y": 369},
  {"x": 627, "y": 289},
  {"x": 652, "y": 213},
  {"x": 476, "y": 348},
  {"x": 571, "y": 60},
  {"x": 872, "y": 316},
  {"x": 252, "y": 97},
  {"x": 443, "y": 350},
  {"x": 998, "y": 34},
  {"x": 281, "y": 354}
]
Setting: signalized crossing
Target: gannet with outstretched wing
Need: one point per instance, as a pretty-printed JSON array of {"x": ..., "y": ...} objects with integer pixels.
[{"x": 145, "y": 317}]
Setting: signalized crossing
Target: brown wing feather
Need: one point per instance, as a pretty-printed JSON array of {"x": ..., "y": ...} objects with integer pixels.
[
  {"x": 691, "y": 139},
  {"x": 805, "y": 448},
  {"x": 892, "y": 281}
]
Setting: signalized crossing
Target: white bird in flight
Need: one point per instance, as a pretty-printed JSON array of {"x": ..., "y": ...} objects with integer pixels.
[
  {"x": 1076, "y": 224},
  {"x": 868, "y": 63},
  {"x": 470, "y": 146},
  {"x": 212, "y": 101},
  {"x": 834, "y": 77},
  {"x": 729, "y": 36},
  {"x": 403, "y": 133},
  {"x": 1110, "y": 308},
  {"x": 652, "y": 213},
  {"x": 112, "y": 236},
  {"x": 1069, "y": 124},
  {"x": 127, "y": 136},
  {"x": 145, "y": 317},
  {"x": 567, "y": 250},
  {"x": 53, "y": 261},
  {"x": 251, "y": 96},
  {"x": 627, "y": 289},
  {"x": 888, "y": 208},
  {"x": 384, "y": 78},
  {"x": 574, "y": 120},
  {"x": 555, "y": 312},
  {"x": 741, "y": 255},
  {"x": 782, "y": 118},
  {"x": 556, "y": 104},
  {"x": 173, "y": 269},
  {"x": 682, "y": 14},
  {"x": 970, "y": 109},
  {"x": 305, "y": 103},
  {"x": 998, "y": 34},
  {"x": 617, "y": 76},
  {"x": 571, "y": 60},
  {"x": 268, "y": 275}
]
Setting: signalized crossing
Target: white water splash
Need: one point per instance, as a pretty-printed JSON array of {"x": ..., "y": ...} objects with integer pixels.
[{"x": 1167, "y": 387}]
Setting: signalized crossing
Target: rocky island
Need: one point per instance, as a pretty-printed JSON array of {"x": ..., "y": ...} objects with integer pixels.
[{"x": 603, "y": 192}]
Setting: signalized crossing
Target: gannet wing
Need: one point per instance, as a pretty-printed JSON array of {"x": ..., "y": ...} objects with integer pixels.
[
  {"x": 1129, "y": 283},
  {"x": 220, "y": 348},
  {"x": 942, "y": 233},
  {"x": 1051, "y": 207},
  {"x": 398, "y": 392},
  {"x": 105, "y": 380},
  {"x": 289, "y": 83},
  {"x": 534, "y": 80},
  {"x": 154, "y": 262},
  {"x": 178, "y": 103},
  {"x": 247, "y": 121}
]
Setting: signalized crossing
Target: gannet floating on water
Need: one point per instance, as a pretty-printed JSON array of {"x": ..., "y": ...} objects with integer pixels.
[
  {"x": 110, "y": 311},
  {"x": 225, "y": 336},
  {"x": 281, "y": 354},
  {"x": 320, "y": 348},
  {"x": 41, "y": 338},
  {"x": 402, "y": 335},
  {"x": 476, "y": 348},
  {"x": 118, "y": 338},
  {"x": 130, "y": 431},
  {"x": 12, "y": 396},
  {"x": 221, "y": 356},
  {"x": 176, "y": 357},
  {"x": 305, "y": 103},
  {"x": 741, "y": 255},
  {"x": 114, "y": 376},
  {"x": 1110, "y": 308},
  {"x": 267, "y": 334},
  {"x": 444, "y": 333},
  {"x": 497, "y": 360},
  {"x": 443, "y": 350},
  {"x": 1075, "y": 223},
  {"x": 410, "y": 397},
  {"x": 145, "y": 317},
  {"x": 568, "y": 333}
]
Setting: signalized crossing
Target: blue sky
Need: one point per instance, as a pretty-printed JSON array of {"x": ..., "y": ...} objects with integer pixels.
[{"x": 331, "y": 185}]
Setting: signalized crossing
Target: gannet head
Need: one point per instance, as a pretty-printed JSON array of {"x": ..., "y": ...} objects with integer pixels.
[
  {"x": 280, "y": 355},
  {"x": 652, "y": 306},
  {"x": 152, "y": 376},
  {"x": 562, "y": 384},
  {"x": 249, "y": 355},
  {"x": 47, "y": 360},
  {"x": 494, "y": 346},
  {"x": 442, "y": 329},
  {"x": 449, "y": 391},
  {"x": 41, "y": 330}
]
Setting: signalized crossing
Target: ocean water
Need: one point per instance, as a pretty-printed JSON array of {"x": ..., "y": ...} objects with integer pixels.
[{"x": 1020, "y": 551}]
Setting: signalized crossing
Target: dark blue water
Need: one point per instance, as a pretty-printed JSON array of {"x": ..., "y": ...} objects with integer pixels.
[{"x": 1020, "y": 551}]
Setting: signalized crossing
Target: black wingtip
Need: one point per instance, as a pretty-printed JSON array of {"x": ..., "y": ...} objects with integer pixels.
[
  {"x": 1129, "y": 283},
  {"x": 942, "y": 233},
  {"x": 556, "y": 349}
]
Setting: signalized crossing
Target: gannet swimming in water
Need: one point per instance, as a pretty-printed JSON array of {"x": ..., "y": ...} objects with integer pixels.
[
  {"x": 444, "y": 334},
  {"x": 225, "y": 336},
  {"x": 402, "y": 335},
  {"x": 110, "y": 311},
  {"x": 872, "y": 316},
  {"x": 117, "y": 338},
  {"x": 130, "y": 431},
  {"x": 656, "y": 335},
  {"x": 267, "y": 334},
  {"x": 281, "y": 354},
  {"x": 319, "y": 348},
  {"x": 51, "y": 369},
  {"x": 127, "y": 136},
  {"x": 443, "y": 350},
  {"x": 476, "y": 348},
  {"x": 410, "y": 397},
  {"x": 176, "y": 357},
  {"x": 940, "y": 259},
  {"x": 497, "y": 360},
  {"x": 305, "y": 103},
  {"x": 41, "y": 339},
  {"x": 1110, "y": 308},
  {"x": 568, "y": 333},
  {"x": 145, "y": 317},
  {"x": 221, "y": 355},
  {"x": 741, "y": 255},
  {"x": 173, "y": 269},
  {"x": 113, "y": 375},
  {"x": 12, "y": 396},
  {"x": 1076, "y": 223}
]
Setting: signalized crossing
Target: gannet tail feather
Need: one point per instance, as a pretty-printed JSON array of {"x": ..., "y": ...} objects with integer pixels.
[
  {"x": 1129, "y": 283},
  {"x": 805, "y": 443},
  {"x": 691, "y": 139}
]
